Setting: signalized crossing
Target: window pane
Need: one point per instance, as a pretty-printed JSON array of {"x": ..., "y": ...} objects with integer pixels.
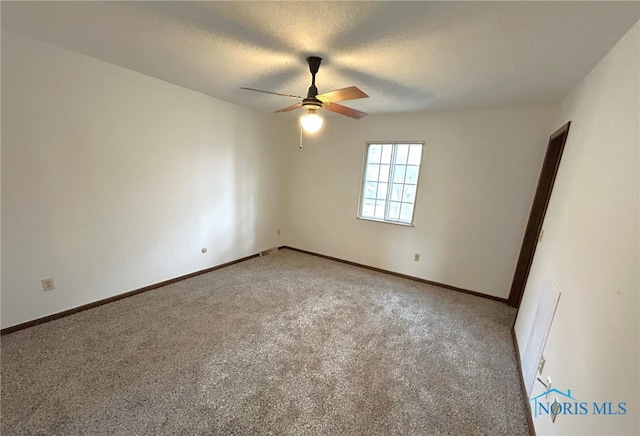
[
  {"x": 370, "y": 190},
  {"x": 415, "y": 152},
  {"x": 394, "y": 210},
  {"x": 389, "y": 185},
  {"x": 398, "y": 173},
  {"x": 396, "y": 192},
  {"x": 368, "y": 208},
  {"x": 386, "y": 153},
  {"x": 401, "y": 153},
  {"x": 384, "y": 173},
  {"x": 405, "y": 212},
  {"x": 379, "y": 209},
  {"x": 375, "y": 150},
  {"x": 412, "y": 175},
  {"x": 409, "y": 195},
  {"x": 372, "y": 172},
  {"x": 382, "y": 191}
]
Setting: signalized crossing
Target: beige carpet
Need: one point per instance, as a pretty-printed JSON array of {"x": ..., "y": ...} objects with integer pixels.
[{"x": 286, "y": 344}]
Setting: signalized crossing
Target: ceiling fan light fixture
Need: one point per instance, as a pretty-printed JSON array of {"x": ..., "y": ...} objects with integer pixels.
[{"x": 311, "y": 121}]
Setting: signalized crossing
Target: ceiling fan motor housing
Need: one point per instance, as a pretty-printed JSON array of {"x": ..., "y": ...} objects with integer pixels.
[{"x": 311, "y": 103}]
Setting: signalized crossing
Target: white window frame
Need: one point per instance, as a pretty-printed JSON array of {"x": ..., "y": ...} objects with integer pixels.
[{"x": 389, "y": 188}]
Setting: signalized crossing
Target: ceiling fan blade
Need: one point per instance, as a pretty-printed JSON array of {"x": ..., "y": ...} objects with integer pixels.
[
  {"x": 343, "y": 110},
  {"x": 350, "y": 93},
  {"x": 274, "y": 93},
  {"x": 290, "y": 108}
]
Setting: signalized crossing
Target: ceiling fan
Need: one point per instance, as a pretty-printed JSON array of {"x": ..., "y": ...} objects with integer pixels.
[{"x": 311, "y": 121}]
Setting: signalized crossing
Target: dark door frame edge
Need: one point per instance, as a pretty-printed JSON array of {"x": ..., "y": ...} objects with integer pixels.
[{"x": 532, "y": 232}]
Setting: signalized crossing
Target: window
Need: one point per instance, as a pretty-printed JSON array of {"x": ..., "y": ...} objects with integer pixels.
[{"x": 390, "y": 182}]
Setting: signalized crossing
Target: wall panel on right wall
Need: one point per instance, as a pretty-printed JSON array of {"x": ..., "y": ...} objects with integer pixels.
[{"x": 590, "y": 250}]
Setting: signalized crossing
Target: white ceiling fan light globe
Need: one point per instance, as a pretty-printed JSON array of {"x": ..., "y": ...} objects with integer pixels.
[{"x": 311, "y": 121}]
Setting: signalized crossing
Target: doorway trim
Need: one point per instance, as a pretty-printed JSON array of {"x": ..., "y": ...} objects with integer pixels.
[{"x": 538, "y": 210}]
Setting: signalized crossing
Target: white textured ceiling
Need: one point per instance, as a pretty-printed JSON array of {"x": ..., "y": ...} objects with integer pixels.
[{"x": 407, "y": 56}]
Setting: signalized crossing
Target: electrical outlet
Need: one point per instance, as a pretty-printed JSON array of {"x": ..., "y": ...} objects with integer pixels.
[
  {"x": 416, "y": 257},
  {"x": 47, "y": 285},
  {"x": 541, "y": 365}
]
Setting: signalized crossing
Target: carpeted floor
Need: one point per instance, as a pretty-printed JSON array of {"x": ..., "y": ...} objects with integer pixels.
[{"x": 286, "y": 344}]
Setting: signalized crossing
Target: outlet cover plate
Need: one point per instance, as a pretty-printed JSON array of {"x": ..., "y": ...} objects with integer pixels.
[{"x": 47, "y": 285}]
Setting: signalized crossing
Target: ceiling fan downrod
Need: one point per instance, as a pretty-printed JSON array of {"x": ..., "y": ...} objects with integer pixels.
[{"x": 314, "y": 64}]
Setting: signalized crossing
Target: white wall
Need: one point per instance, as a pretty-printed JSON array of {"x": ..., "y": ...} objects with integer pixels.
[
  {"x": 112, "y": 180},
  {"x": 590, "y": 249},
  {"x": 478, "y": 177}
]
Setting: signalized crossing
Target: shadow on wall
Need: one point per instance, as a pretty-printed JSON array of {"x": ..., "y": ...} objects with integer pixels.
[
  {"x": 244, "y": 183},
  {"x": 254, "y": 181}
]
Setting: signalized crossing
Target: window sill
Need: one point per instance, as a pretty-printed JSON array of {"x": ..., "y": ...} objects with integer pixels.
[{"x": 385, "y": 222}]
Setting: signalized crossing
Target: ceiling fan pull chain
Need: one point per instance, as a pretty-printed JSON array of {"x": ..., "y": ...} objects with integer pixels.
[{"x": 300, "y": 138}]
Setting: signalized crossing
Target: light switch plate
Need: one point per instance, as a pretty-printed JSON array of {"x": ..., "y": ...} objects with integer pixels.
[{"x": 541, "y": 365}]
